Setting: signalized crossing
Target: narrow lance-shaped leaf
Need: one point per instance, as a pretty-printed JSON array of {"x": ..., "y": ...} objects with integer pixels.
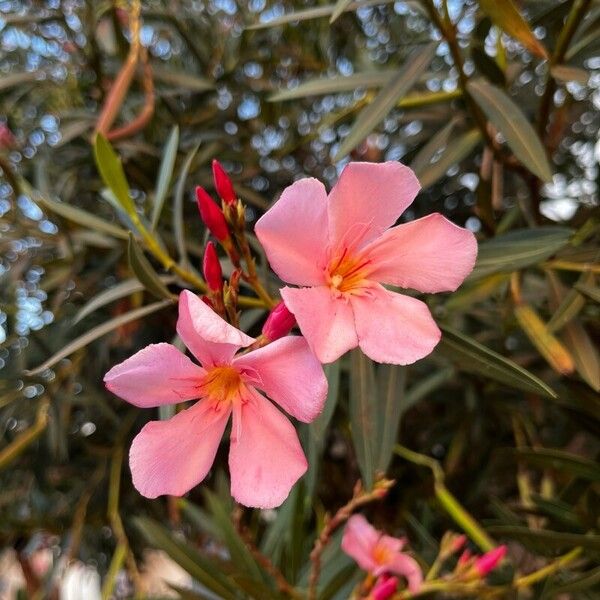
[
  {"x": 340, "y": 7},
  {"x": 506, "y": 15},
  {"x": 472, "y": 357},
  {"x": 557, "y": 356},
  {"x": 510, "y": 121},
  {"x": 111, "y": 170},
  {"x": 178, "y": 228},
  {"x": 387, "y": 98},
  {"x": 144, "y": 272},
  {"x": 98, "y": 332},
  {"x": 165, "y": 173},
  {"x": 433, "y": 146}
]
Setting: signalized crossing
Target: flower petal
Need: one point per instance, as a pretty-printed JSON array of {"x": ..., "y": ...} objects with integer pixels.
[
  {"x": 265, "y": 458},
  {"x": 371, "y": 195},
  {"x": 293, "y": 233},
  {"x": 430, "y": 254},
  {"x": 393, "y": 328},
  {"x": 209, "y": 338},
  {"x": 325, "y": 321},
  {"x": 171, "y": 457},
  {"x": 359, "y": 541},
  {"x": 408, "y": 567},
  {"x": 156, "y": 375},
  {"x": 290, "y": 374}
]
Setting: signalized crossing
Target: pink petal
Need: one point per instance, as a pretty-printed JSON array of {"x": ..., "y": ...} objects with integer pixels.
[
  {"x": 171, "y": 457},
  {"x": 209, "y": 338},
  {"x": 372, "y": 195},
  {"x": 156, "y": 375},
  {"x": 265, "y": 459},
  {"x": 393, "y": 328},
  {"x": 293, "y": 233},
  {"x": 359, "y": 541},
  {"x": 325, "y": 321},
  {"x": 290, "y": 374},
  {"x": 430, "y": 254},
  {"x": 408, "y": 567}
]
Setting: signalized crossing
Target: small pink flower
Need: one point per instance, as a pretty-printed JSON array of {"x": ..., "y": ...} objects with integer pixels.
[
  {"x": 265, "y": 456},
  {"x": 378, "y": 553},
  {"x": 489, "y": 561},
  {"x": 340, "y": 250},
  {"x": 385, "y": 587}
]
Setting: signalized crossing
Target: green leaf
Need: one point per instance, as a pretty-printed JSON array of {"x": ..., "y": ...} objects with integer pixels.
[
  {"x": 334, "y": 85},
  {"x": 390, "y": 393},
  {"x": 207, "y": 572},
  {"x": 386, "y": 99},
  {"x": 519, "y": 249},
  {"x": 98, "y": 332},
  {"x": 566, "y": 74},
  {"x": 510, "y": 121},
  {"x": 111, "y": 170},
  {"x": 178, "y": 228},
  {"x": 165, "y": 172},
  {"x": 455, "y": 151},
  {"x": 363, "y": 415},
  {"x": 567, "y": 305},
  {"x": 240, "y": 555},
  {"x": 143, "y": 270},
  {"x": 507, "y": 16},
  {"x": 179, "y": 79},
  {"x": 74, "y": 214},
  {"x": 544, "y": 541},
  {"x": 473, "y": 357},
  {"x": 549, "y": 458},
  {"x": 340, "y": 7},
  {"x": 435, "y": 145},
  {"x": 121, "y": 290},
  {"x": 589, "y": 290},
  {"x": 579, "y": 583}
]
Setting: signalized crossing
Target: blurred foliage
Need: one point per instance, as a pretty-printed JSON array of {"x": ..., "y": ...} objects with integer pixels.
[{"x": 495, "y": 104}]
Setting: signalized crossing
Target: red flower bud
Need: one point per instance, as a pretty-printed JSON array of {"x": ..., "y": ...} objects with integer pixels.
[
  {"x": 384, "y": 588},
  {"x": 458, "y": 542},
  {"x": 211, "y": 266},
  {"x": 464, "y": 558},
  {"x": 212, "y": 215},
  {"x": 223, "y": 184},
  {"x": 279, "y": 322},
  {"x": 7, "y": 139},
  {"x": 490, "y": 560}
]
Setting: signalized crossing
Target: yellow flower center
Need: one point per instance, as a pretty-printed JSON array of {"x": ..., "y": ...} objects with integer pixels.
[
  {"x": 347, "y": 273},
  {"x": 222, "y": 384},
  {"x": 382, "y": 554}
]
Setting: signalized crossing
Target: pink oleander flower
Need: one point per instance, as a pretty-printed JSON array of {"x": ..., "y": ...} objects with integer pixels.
[
  {"x": 339, "y": 249},
  {"x": 378, "y": 553},
  {"x": 265, "y": 456}
]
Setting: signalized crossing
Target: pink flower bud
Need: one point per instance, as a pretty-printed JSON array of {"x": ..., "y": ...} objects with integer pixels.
[
  {"x": 385, "y": 587},
  {"x": 223, "y": 184},
  {"x": 464, "y": 558},
  {"x": 212, "y": 215},
  {"x": 7, "y": 139},
  {"x": 458, "y": 542},
  {"x": 211, "y": 266},
  {"x": 489, "y": 561},
  {"x": 279, "y": 322}
]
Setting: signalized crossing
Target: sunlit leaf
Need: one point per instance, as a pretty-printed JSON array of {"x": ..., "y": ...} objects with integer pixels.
[
  {"x": 507, "y": 16},
  {"x": 519, "y": 249},
  {"x": 111, "y": 170},
  {"x": 98, "y": 332},
  {"x": 386, "y": 99},
  {"x": 565, "y": 73},
  {"x": 557, "y": 356},
  {"x": 334, "y": 85},
  {"x": 143, "y": 270},
  {"x": 165, "y": 173},
  {"x": 455, "y": 151},
  {"x": 510, "y": 121},
  {"x": 473, "y": 357}
]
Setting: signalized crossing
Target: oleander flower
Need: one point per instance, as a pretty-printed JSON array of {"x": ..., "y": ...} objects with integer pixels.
[
  {"x": 265, "y": 456},
  {"x": 378, "y": 553},
  {"x": 339, "y": 249}
]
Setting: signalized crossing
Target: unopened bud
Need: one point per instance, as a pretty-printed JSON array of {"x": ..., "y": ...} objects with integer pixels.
[
  {"x": 279, "y": 322},
  {"x": 464, "y": 558},
  {"x": 489, "y": 561},
  {"x": 213, "y": 274},
  {"x": 384, "y": 588},
  {"x": 212, "y": 215},
  {"x": 223, "y": 184},
  {"x": 7, "y": 139}
]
